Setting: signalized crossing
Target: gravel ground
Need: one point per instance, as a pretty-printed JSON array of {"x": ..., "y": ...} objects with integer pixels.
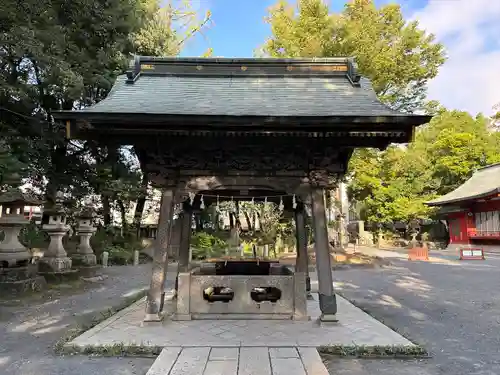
[
  {"x": 29, "y": 330},
  {"x": 453, "y": 310}
]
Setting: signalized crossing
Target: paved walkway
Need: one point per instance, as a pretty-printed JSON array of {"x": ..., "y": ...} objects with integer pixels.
[
  {"x": 354, "y": 327},
  {"x": 238, "y": 361}
]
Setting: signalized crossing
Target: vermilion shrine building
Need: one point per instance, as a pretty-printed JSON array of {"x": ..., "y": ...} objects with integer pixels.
[
  {"x": 473, "y": 211},
  {"x": 244, "y": 128}
]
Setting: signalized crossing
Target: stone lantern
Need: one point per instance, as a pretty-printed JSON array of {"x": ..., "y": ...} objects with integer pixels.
[
  {"x": 55, "y": 257},
  {"x": 85, "y": 254},
  {"x": 17, "y": 273},
  {"x": 12, "y": 220}
]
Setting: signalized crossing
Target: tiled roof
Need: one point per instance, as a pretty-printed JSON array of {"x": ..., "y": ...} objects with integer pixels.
[
  {"x": 323, "y": 87},
  {"x": 16, "y": 195},
  {"x": 243, "y": 96},
  {"x": 484, "y": 182}
]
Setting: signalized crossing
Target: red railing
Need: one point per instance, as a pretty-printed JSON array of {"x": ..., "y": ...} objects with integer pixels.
[{"x": 474, "y": 233}]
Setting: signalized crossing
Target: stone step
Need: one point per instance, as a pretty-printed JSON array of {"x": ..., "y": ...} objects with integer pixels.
[{"x": 238, "y": 361}]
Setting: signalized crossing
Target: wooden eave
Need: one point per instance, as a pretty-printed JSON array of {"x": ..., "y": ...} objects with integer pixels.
[
  {"x": 375, "y": 130},
  {"x": 148, "y": 120}
]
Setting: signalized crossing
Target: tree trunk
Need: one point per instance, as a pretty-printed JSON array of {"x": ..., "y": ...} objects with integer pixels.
[
  {"x": 199, "y": 223},
  {"x": 139, "y": 209},
  {"x": 57, "y": 161},
  {"x": 106, "y": 209},
  {"x": 56, "y": 170},
  {"x": 123, "y": 214},
  {"x": 217, "y": 222},
  {"x": 141, "y": 200},
  {"x": 247, "y": 219},
  {"x": 111, "y": 159}
]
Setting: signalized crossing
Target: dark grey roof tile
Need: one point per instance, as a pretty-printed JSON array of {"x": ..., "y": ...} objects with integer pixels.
[{"x": 243, "y": 96}]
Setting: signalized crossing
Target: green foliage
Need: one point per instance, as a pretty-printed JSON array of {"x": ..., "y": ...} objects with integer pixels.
[
  {"x": 206, "y": 245},
  {"x": 119, "y": 255},
  {"x": 271, "y": 224},
  {"x": 66, "y": 55},
  {"x": 169, "y": 28},
  {"x": 33, "y": 237},
  {"x": 12, "y": 167},
  {"x": 120, "y": 248},
  {"x": 398, "y": 57},
  {"x": 394, "y": 184}
]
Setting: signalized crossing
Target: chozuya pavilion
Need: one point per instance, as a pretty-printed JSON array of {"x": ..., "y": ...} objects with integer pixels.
[{"x": 275, "y": 129}]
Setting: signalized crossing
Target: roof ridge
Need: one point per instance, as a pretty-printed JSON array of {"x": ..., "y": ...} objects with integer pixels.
[
  {"x": 244, "y": 67},
  {"x": 338, "y": 59}
]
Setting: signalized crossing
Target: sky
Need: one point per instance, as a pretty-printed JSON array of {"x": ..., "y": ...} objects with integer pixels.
[{"x": 469, "y": 29}]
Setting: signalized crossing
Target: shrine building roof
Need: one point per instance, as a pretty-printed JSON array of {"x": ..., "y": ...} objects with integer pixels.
[
  {"x": 172, "y": 88},
  {"x": 485, "y": 182}
]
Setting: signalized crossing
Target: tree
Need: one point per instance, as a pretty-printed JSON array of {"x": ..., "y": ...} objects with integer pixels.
[
  {"x": 59, "y": 55},
  {"x": 11, "y": 167},
  {"x": 169, "y": 28},
  {"x": 398, "y": 57},
  {"x": 165, "y": 33},
  {"x": 394, "y": 184}
]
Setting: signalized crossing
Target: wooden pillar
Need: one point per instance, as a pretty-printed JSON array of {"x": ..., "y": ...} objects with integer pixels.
[
  {"x": 154, "y": 302},
  {"x": 302, "y": 262},
  {"x": 326, "y": 294},
  {"x": 185, "y": 240}
]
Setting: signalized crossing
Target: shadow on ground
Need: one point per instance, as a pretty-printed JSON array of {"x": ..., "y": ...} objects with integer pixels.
[
  {"x": 30, "y": 328},
  {"x": 453, "y": 309}
]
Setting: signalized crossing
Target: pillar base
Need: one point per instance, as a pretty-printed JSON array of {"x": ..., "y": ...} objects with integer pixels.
[
  {"x": 182, "y": 317},
  {"x": 84, "y": 259},
  {"x": 153, "y": 318},
  {"x": 55, "y": 264},
  {"x": 328, "y": 318},
  {"x": 328, "y": 304}
]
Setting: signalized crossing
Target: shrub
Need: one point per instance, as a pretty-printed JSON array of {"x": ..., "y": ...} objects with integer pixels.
[
  {"x": 206, "y": 245},
  {"x": 120, "y": 248},
  {"x": 119, "y": 255},
  {"x": 33, "y": 236}
]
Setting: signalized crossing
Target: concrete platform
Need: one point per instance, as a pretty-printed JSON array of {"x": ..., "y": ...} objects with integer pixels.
[
  {"x": 355, "y": 327},
  {"x": 238, "y": 361}
]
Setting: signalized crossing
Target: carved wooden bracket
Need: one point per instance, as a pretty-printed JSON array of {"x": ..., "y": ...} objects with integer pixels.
[{"x": 324, "y": 179}]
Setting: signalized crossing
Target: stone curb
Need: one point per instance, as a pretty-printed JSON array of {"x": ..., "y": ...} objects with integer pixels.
[
  {"x": 122, "y": 350},
  {"x": 100, "y": 318},
  {"x": 403, "y": 334},
  {"x": 384, "y": 351}
]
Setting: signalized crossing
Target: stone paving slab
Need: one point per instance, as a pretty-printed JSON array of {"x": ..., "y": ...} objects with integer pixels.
[
  {"x": 355, "y": 327},
  {"x": 247, "y": 361}
]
